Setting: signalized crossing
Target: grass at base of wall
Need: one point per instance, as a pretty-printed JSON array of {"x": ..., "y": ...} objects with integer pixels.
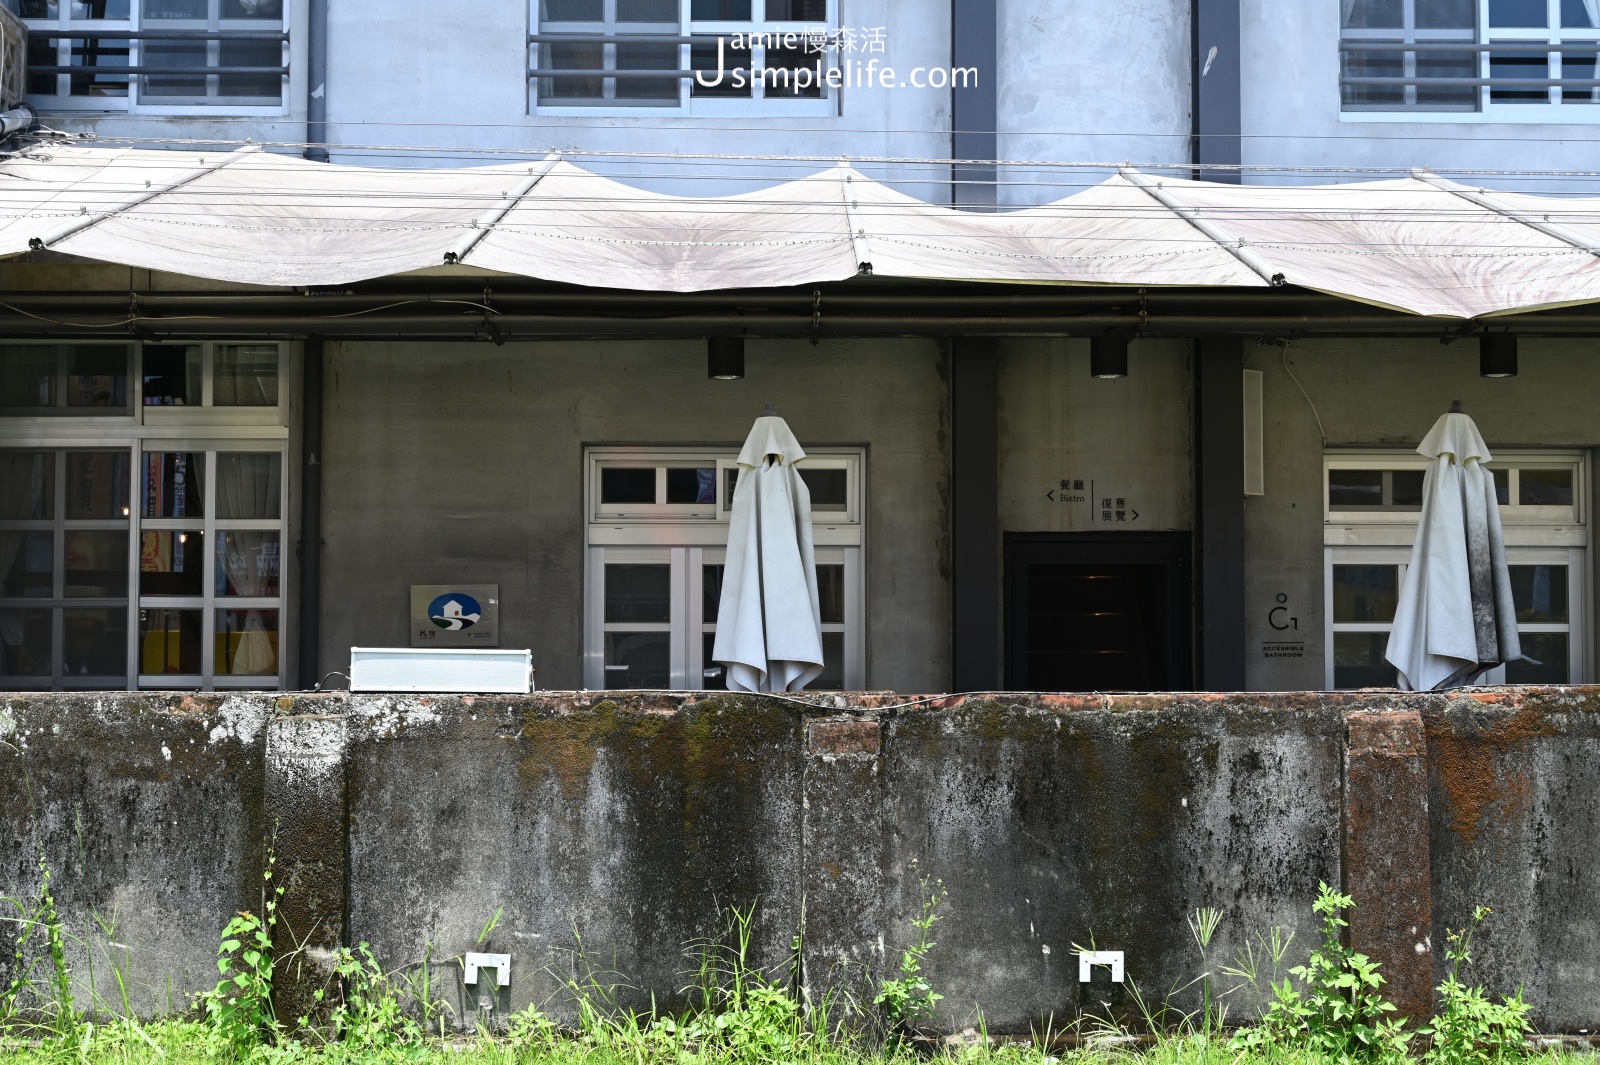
[{"x": 188, "y": 1043}]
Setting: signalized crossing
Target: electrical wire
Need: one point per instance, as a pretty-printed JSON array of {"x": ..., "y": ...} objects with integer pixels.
[
  {"x": 454, "y": 152},
  {"x": 1290, "y": 371}
]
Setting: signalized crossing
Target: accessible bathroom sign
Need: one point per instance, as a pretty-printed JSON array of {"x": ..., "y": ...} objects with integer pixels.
[{"x": 455, "y": 615}]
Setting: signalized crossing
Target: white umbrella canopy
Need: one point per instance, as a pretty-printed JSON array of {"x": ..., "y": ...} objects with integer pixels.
[
  {"x": 769, "y": 626},
  {"x": 1455, "y": 619}
]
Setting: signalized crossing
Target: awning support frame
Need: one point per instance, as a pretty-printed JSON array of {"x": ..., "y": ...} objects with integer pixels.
[
  {"x": 87, "y": 219},
  {"x": 1225, "y": 240}
]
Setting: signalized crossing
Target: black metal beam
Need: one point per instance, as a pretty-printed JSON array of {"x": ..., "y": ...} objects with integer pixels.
[
  {"x": 1219, "y": 512},
  {"x": 975, "y": 514},
  {"x": 974, "y": 103},
  {"x": 1216, "y": 97},
  {"x": 311, "y": 386},
  {"x": 600, "y": 326},
  {"x": 446, "y": 307}
]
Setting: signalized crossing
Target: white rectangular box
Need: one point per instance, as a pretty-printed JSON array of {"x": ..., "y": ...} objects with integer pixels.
[
  {"x": 1255, "y": 461},
  {"x": 441, "y": 669}
]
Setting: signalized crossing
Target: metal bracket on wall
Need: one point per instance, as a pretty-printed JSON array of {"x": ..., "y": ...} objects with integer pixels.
[
  {"x": 1088, "y": 959},
  {"x": 501, "y": 964}
]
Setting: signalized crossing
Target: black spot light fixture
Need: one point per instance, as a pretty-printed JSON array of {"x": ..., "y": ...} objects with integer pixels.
[
  {"x": 1108, "y": 356},
  {"x": 1497, "y": 355},
  {"x": 725, "y": 358}
]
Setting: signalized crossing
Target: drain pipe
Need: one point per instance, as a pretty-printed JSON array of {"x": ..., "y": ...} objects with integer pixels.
[
  {"x": 317, "y": 82},
  {"x": 310, "y": 513}
]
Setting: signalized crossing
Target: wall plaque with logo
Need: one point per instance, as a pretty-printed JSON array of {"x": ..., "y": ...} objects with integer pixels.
[{"x": 455, "y": 615}]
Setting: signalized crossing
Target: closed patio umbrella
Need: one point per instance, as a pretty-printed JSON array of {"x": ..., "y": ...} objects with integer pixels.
[
  {"x": 769, "y": 627},
  {"x": 1455, "y": 619}
]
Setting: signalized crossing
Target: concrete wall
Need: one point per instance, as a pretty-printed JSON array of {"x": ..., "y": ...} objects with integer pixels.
[
  {"x": 632, "y": 822},
  {"x": 463, "y": 462},
  {"x": 1133, "y": 437},
  {"x": 1379, "y": 393},
  {"x": 1080, "y": 82},
  {"x": 149, "y": 811}
]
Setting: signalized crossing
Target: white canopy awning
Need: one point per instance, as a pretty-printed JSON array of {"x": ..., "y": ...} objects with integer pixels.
[{"x": 1419, "y": 244}]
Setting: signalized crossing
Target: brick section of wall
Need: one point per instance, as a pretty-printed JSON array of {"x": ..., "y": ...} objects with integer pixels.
[
  {"x": 1387, "y": 866},
  {"x": 851, "y": 737}
]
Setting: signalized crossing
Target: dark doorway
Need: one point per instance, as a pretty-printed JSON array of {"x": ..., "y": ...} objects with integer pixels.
[{"x": 1086, "y": 612}]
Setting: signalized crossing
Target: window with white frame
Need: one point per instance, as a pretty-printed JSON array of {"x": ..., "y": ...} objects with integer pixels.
[
  {"x": 143, "y": 549},
  {"x": 1372, "y": 506},
  {"x": 1497, "y": 58},
  {"x": 657, "y": 535},
  {"x": 668, "y": 54},
  {"x": 171, "y": 56}
]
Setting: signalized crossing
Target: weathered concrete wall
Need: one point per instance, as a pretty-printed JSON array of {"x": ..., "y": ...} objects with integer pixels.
[
  {"x": 148, "y": 810},
  {"x": 464, "y": 462},
  {"x": 624, "y": 829},
  {"x": 1379, "y": 393},
  {"x": 1515, "y": 785},
  {"x": 629, "y": 824},
  {"x": 1054, "y": 822}
]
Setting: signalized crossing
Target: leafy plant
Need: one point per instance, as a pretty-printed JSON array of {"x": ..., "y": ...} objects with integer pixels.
[
  {"x": 239, "y": 1008},
  {"x": 1469, "y": 1028},
  {"x": 1340, "y": 1013},
  {"x": 908, "y": 999},
  {"x": 370, "y": 1014}
]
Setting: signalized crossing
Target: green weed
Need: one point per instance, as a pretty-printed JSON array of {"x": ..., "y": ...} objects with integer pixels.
[
  {"x": 1469, "y": 1028},
  {"x": 1340, "y": 1013},
  {"x": 908, "y": 1000}
]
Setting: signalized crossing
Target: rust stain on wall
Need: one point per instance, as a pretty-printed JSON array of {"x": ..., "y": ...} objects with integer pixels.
[{"x": 1469, "y": 763}]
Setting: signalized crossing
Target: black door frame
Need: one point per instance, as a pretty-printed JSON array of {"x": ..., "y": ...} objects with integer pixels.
[{"x": 1023, "y": 548}]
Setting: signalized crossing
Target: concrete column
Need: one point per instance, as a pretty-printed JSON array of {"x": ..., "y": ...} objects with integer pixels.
[
  {"x": 1219, "y": 512},
  {"x": 974, "y": 106},
  {"x": 306, "y": 811},
  {"x": 1387, "y": 864},
  {"x": 975, "y": 514},
  {"x": 1217, "y": 124},
  {"x": 848, "y": 903}
]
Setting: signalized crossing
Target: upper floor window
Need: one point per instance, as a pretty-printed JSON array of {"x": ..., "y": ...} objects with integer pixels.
[
  {"x": 1497, "y": 58},
  {"x": 173, "y": 56},
  {"x": 695, "y": 56}
]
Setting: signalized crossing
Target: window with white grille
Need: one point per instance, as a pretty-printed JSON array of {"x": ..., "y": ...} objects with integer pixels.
[
  {"x": 1498, "y": 58},
  {"x": 694, "y": 56},
  {"x": 160, "y": 56}
]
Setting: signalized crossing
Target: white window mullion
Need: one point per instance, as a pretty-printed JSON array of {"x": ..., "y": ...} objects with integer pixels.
[
  {"x": 208, "y": 571},
  {"x": 594, "y": 643},
  {"x": 136, "y": 552},
  {"x": 680, "y": 616}
]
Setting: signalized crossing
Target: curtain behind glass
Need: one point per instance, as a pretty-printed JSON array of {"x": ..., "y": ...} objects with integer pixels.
[
  {"x": 24, "y": 493},
  {"x": 249, "y": 484},
  {"x": 248, "y": 565}
]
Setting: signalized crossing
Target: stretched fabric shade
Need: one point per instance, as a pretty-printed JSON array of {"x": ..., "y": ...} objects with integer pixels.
[{"x": 1419, "y": 243}]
